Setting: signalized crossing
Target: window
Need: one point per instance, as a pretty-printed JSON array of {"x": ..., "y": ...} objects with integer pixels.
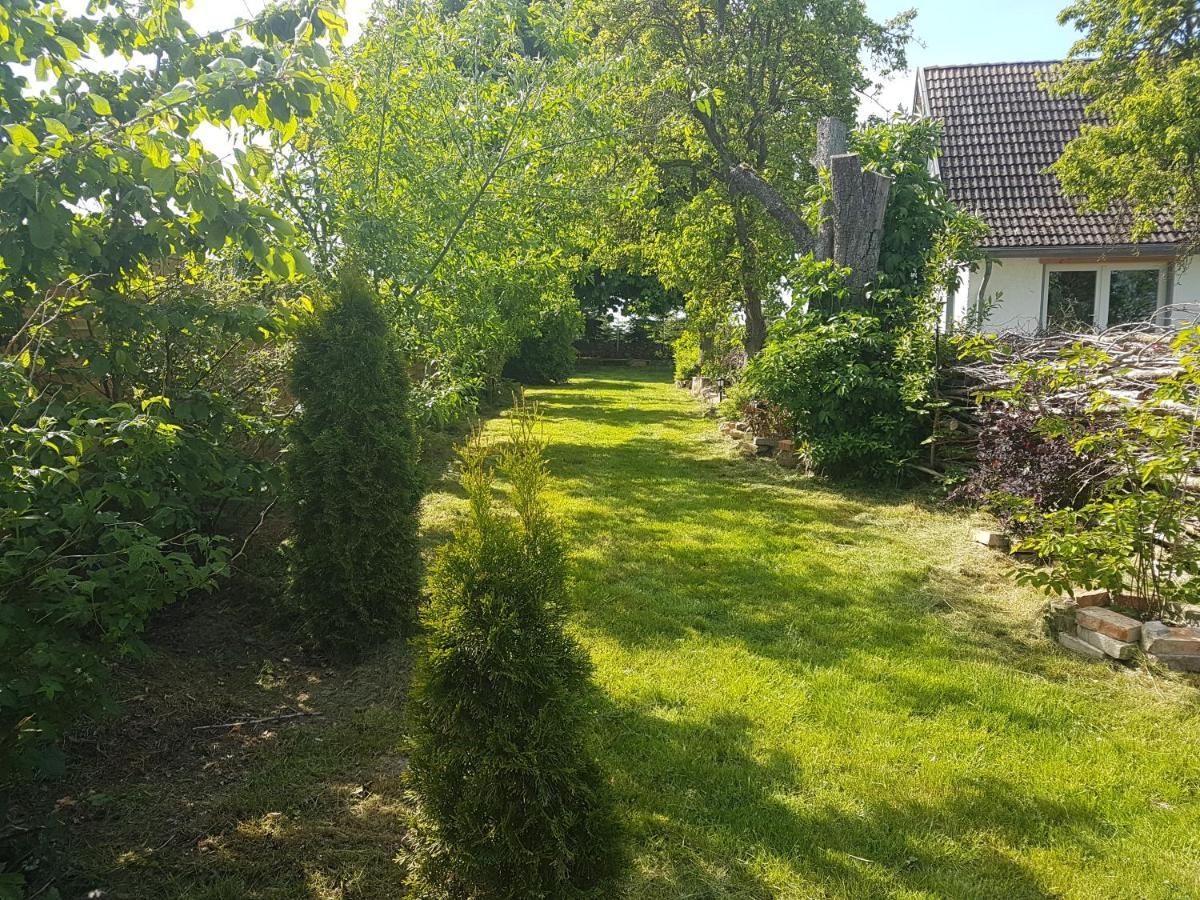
[
  {"x": 1132, "y": 295},
  {"x": 1090, "y": 295},
  {"x": 1071, "y": 299}
]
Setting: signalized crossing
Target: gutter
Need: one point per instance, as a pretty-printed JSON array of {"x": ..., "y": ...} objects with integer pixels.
[{"x": 1094, "y": 251}]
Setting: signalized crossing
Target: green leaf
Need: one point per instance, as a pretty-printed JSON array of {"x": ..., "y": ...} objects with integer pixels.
[
  {"x": 21, "y": 136},
  {"x": 228, "y": 64},
  {"x": 100, "y": 105},
  {"x": 56, "y": 127},
  {"x": 158, "y": 155},
  {"x": 41, "y": 231}
]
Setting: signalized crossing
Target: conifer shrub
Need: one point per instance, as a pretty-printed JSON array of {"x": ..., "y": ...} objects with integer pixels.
[
  {"x": 506, "y": 800},
  {"x": 353, "y": 478}
]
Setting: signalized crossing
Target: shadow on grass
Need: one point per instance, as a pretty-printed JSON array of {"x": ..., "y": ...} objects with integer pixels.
[{"x": 734, "y": 795}]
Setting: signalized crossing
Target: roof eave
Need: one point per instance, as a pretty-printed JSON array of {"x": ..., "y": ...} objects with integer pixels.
[{"x": 1090, "y": 251}]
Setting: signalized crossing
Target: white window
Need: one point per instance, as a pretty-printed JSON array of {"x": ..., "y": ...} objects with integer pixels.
[{"x": 1086, "y": 295}]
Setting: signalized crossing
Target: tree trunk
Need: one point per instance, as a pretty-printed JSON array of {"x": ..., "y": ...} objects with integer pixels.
[
  {"x": 859, "y": 204},
  {"x": 832, "y": 140},
  {"x": 756, "y": 324}
]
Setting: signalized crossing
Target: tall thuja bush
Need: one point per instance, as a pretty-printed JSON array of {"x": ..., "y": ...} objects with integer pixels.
[
  {"x": 352, "y": 477},
  {"x": 507, "y": 801}
]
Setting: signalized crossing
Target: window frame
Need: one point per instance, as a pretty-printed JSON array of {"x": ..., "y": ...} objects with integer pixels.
[{"x": 1103, "y": 272}]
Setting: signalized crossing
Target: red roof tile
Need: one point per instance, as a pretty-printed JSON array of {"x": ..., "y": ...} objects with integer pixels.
[{"x": 1002, "y": 130}]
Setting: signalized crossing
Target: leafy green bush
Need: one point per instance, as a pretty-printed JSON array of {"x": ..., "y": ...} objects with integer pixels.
[
  {"x": 507, "y": 801},
  {"x": 352, "y": 478},
  {"x": 721, "y": 356},
  {"x": 838, "y": 386},
  {"x": 686, "y": 349},
  {"x": 548, "y": 356},
  {"x": 103, "y": 523},
  {"x": 853, "y": 376}
]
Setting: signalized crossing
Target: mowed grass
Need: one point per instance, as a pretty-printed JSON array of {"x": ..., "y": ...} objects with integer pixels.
[
  {"x": 803, "y": 691},
  {"x": 817, "y": 692}
]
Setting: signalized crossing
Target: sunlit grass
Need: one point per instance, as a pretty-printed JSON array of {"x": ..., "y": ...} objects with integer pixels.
[{"x": 810, "y": 691}]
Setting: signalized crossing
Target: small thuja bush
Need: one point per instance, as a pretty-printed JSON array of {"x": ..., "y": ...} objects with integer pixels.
[
  {"x": 353, "y": 478},
  {"x": 507, "y": 801}
]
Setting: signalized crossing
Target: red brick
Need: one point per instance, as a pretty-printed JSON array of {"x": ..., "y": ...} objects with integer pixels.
[
  {"x": 1132, "y": 601},
  {"x": 1109, "y": 622},
  {"x": 1092, "y": 598}
]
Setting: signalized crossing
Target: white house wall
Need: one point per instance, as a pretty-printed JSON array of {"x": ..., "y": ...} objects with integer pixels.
[
  {"x": 1186, "y": 294},
  {"x": 1015, "y": 288}
]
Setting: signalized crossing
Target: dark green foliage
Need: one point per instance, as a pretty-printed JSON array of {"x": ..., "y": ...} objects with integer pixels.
[
  {"x": 102, "y": 524},
  {"x": 507, "y": 800},
  {"x": 353, "y": 478},
  {"x": 548, "y": 357},
  {"x": 837, "y": 384},
  {"x": 626, "y": 314}
]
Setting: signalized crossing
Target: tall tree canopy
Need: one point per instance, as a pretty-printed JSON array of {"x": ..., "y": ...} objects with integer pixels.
[
  {"x": 732, "y": 94},
  {"x": 1138, "y": 63},
  {"x": 465, "y": 176}
]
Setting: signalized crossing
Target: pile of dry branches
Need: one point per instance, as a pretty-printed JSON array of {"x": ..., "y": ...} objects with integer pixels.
[{"x": 1132, "y": 363}]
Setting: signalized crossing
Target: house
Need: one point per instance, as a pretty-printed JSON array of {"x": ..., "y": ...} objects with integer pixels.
[{"x": 1052, "y": 265}]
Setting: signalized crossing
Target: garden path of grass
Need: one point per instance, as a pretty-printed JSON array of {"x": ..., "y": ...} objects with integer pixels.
[
  {"x": 803, "y": 691},
  {"x": 816, "y": 692}
]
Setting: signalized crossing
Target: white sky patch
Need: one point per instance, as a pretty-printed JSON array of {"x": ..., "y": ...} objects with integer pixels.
[{"x": 208, "y": 16}]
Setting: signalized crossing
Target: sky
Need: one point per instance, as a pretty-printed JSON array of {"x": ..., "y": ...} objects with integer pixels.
[{"x": 951, "y": 32}]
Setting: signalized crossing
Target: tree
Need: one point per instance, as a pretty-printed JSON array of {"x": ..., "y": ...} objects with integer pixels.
[
  {"x": 463, "y": 179},
  {"x": 352, "y": 477},
  {"x": 736, "y": 91},
  {"x": 1138, "y": 65},
  {"x": 102, "y": 173},
  {"x": 508, "y": 802}
]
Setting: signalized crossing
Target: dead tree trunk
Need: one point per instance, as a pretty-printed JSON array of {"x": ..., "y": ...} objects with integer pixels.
[
  {"x": 859, "y": 204},
  {"x": 851, "y": 221},
  {"x": 851, "y": 227},
  {"x": 831, "y": 142}
]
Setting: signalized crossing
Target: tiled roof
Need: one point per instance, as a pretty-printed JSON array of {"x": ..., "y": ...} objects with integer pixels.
[{"x": 1001, "y": 132}]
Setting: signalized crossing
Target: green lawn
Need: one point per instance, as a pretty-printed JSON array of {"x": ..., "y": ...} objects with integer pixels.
[
  {"x": 804, "y": 691},
  {"x": 814, "y": 692}
]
